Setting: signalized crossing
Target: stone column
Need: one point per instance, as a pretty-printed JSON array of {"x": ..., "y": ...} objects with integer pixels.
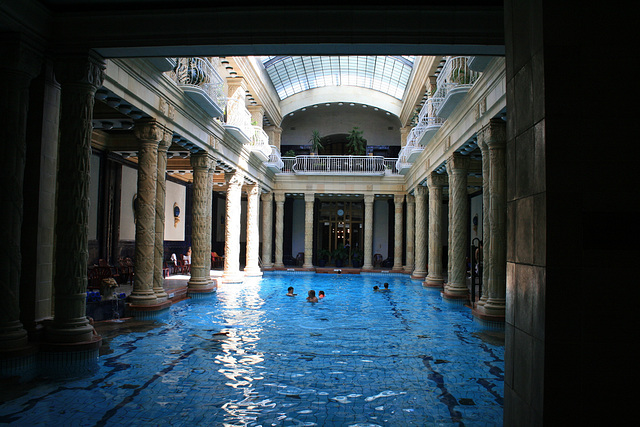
[
  {"x": 19, "y": 66},
  {"x": 420, "y": 268},
  {"x": 161, "y": 191},
  {"x": 458, "y": 168},
  {"x": 495, "y": 139},
  {"x": 435, "y": 182},
  {"x": 149, "y": 134},
  {"x": 280, "y": 197},
  {"x": 267, "y": 229},
  {"x": 252, "y": 267},
  {"x": 200, "y": 280},
  {"x": 411, "y": 209},
  {"x": 397, "y": 247},
  {"x": 79, "y": 78},
  {"x": 368, "y": 232},
  {"x": 486, "y": 205},
  {"x": 231, "y": 272},
  {"x": 309, "y": 199}
]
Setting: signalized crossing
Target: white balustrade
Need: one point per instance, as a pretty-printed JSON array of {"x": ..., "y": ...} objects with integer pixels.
[
  {"x": 239, "y": 118},
  {"x": 198, "y": 77},
  {"x": 453, "y": 82}
]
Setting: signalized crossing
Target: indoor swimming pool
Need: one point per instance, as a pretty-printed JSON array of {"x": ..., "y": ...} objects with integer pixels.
[{"x": 249, "y": 355}]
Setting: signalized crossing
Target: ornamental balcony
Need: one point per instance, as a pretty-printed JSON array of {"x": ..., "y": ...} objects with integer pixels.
[
  {"x": 260, "y": 144},
  {"x": 453, "y": 83},
  {"x": 428, "y": 122},
  {"x": 339, "y": 165},
  {"x": 238, "y": 121},
  {"x": 274, "y": 162},
  {"x": 200, "y": 81}
]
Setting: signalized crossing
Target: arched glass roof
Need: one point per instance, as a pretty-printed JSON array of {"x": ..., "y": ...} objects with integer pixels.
[{"x": 294, "y": 74}]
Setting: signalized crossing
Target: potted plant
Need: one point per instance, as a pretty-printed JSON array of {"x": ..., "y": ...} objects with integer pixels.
[
  {"x": 339, "y": 255},
  {"x": 356, "y": 144},
  {"x": 323, "y": 257},
  {"x": 316, "y": 142},
  {"x": 289, "y": 153},
  {"x": 356, "y": 258}
]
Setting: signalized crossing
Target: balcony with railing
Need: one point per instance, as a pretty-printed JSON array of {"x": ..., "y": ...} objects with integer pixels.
[
  {"x": 428, "y": 122},
  {"x": 453, "y": 83},
  {"x": 260, "y": 144},
  {"x": 339, "y": 165},
  {"x": 238, "y": 121},
  {"x": 200, "y": 81},
  {"x": 275, "y": 162}
]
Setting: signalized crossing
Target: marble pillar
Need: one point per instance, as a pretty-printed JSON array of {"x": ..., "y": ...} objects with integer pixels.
[
  {"x": 252, "y": 266},
  {"x": 161, "y": 192},
  {"x": 200, "y": 280},
  {"x": 309, "y": 199},
  {"x": 368, "y": 232},
  {"x": 79, "y": 78},
  {"x": 398, "y": 200},
  {"x": 435, "y": 183},
  {"x": 421, "y": 233},
  {"x": 233, "y": 214},
  {"x": 409, "y": 247},
  {"x": 495, "y": 139},
  {"x": 149, "y": 133},
  {"x": 19, "y": 66},
  {"x": 486, "y": 206},
  {"x": 457, "y": 169},
  {"x": 280, "y": 198},
  {"x": 267, "y": 229}
]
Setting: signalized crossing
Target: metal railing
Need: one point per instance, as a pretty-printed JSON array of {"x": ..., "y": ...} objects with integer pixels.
[
  {"x": 200, "y": 73},
  {"x": 339, "y": 165},
  {"x": 260, "y": 142}
]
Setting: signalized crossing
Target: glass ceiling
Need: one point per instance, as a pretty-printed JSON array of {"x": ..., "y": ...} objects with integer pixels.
[{"x": 294, "y": 74}]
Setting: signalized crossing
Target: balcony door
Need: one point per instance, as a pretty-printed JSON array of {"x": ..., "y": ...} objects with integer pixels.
[{"x": 340, "y": 223}]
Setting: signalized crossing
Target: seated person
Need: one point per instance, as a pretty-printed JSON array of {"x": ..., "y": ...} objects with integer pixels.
[
  {"x": 290, "y": 292},
  {"x": 312, "y": 296},
  {"x": 321, "y": 294}
]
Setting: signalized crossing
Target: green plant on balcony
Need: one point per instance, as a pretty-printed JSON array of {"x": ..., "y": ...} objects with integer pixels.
[
  {"x": 316, "y": 142},
  {"x": 356, "y": 144},
  {"x": 460, "y": 76},
  {"x": 340, "y": 255},
  {"x": 289, "y": 153}
]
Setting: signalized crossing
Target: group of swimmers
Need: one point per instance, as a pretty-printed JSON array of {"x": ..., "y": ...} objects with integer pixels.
[{"x": 312, "y": 294}]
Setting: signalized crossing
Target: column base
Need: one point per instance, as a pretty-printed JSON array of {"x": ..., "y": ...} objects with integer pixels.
[
  {"x": 494, "y": 307},
  {"x": 67, "y": 360},
  {"x": 418, "y": 275},
  {"x": 143, "y": 298},
  {"x": 19, "y": 365},
  {"x": 148, "y": 311},
  {"x": 488, "y": 321},
  {"x": 433, "y": 282},
  {"x": 252, "y": 273},
  {"x": 455, "y": 291}
]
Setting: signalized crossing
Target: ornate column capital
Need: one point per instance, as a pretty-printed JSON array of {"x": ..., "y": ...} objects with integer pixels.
[
  {"x": 236, "y": 180},
  {"x": 252, "y": 189},
  {"x": 309, "y": 197},
  {"x": 202, "y": 160},
  {"x": 279, "y": 197},
  {"x": 458, "y": 163},
  {"x": 369, "y": 198},
  {"x": 267, "y": 197},
  {"x": 148, "y": 130},
  {"x": 398, "y": 199},
  {"x": 435, "y": 180},
  {"x": 86, "y": 69},
  {"x": 411, "y": 200},
  {"x": 420, "y": 191},
  {"x": 493, "y": 132}
]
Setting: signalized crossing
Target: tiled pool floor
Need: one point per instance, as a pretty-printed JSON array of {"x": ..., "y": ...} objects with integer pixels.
[{"x": 357, "y": 358}]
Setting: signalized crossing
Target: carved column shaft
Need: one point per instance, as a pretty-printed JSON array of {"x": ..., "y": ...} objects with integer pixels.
[
  {"x": 280, "y": 197},
  {"x": 18, "y": 68},
  {"x": 232, "y": 227},
  {"x": 149, "y": 134},
  {"x": 79, "y": 79},
  {"x": 252, "y": 266},
  {"x": 486, "y": 220},
  {"x": 397, "y": 247},
  {"x": 496, "y": 144},
  {"x": 420, "y": 268},
  {"x": 201, "y": 164},
  {"x": 435, "y": 183},
  {"x": 161, "y": 192},
  {"x": 411, "y": 205},
  {"x": 457, "y": 168},
  {"x": 368, "y": 232},
  {"x": 267, "y": 229},
  {"x": 309, "y": 199}
]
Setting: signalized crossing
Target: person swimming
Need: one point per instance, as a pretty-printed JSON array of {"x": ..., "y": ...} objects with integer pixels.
[
  {"x": 321, "y": 294},
  {"x": 386, "y": 287},
  {"x": 290, "y": 292},
  {"x": 312, "y": 296},
  {"x": 375, "y": 288}
]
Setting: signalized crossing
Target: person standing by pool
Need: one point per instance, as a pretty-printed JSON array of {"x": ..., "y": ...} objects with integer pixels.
[
  {"x": 290, "y": 292},
  {"x": 312, "y": 296},
  {"x": 321, "y": 294}
]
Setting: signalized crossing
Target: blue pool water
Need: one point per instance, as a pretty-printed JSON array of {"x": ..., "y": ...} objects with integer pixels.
[{"x": 356, "y": 358}]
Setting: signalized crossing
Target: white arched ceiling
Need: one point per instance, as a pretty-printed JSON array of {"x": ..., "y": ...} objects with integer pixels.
[{"x": 340, "y": 94}]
